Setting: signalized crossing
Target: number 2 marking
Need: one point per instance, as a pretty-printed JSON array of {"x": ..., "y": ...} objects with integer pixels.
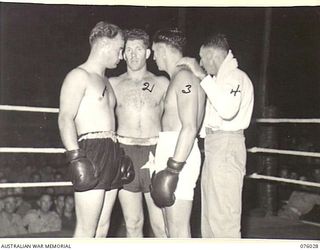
[{"x": 146, "y": 87}]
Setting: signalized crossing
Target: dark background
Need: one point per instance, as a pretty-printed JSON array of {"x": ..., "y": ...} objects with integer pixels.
[{"x": 41, "y": 43}]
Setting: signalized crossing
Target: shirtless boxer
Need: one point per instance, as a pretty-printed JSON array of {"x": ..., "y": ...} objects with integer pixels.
[
  {"x": 87, "y": 125},
  {"x": 177, "y": 156},
  {"x": 140, "y": 95}
]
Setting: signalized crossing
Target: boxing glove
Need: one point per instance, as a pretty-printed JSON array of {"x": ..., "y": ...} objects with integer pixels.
[
  {"x": 125, "y": 171},
  {"x": 83, "y": 174},
  {"x": 164, "y": 183}
]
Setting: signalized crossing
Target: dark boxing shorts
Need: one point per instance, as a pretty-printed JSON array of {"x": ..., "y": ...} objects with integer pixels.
[
  {"x": 139, "y": 154},
  {"x": 102, "y": 149}
]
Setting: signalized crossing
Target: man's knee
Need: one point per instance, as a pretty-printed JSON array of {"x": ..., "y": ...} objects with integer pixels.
[{"x": 134, "y": 223}]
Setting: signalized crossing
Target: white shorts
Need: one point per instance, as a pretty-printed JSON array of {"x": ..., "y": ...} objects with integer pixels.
[{"x": 190, "y": 172}]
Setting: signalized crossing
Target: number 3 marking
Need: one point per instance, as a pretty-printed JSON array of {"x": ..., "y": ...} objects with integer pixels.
[{"x": 188, "y": 86}]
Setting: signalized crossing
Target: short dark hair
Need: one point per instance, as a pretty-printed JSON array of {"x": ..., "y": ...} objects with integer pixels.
[
  {"x": 104, "y": 29},
  {"x": 172, "y": 36},
  {"x": 217, "y": 40},
  {"x": 137, "y": 34}
]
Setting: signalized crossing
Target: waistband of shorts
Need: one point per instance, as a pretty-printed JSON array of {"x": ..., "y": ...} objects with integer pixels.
[
  {"x": 210, "y": 131},
  {"x": 98, "y": 135},
  {"x": 150, "y": 141}
]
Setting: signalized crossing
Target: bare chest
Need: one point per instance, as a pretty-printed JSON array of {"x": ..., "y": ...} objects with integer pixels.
[
  {"x": 138, "y": 94},
  {"x": 100, "y": 92}
]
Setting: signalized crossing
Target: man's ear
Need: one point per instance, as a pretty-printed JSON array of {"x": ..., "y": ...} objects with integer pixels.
[
  {"x": 148, "y": 53},
  {"x": 124, "y": 56}
]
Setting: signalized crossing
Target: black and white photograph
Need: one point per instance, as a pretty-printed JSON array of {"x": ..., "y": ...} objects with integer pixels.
[{"x": 153, "y": 120}]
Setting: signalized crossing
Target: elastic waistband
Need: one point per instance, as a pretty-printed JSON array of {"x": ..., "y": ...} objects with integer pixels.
[
  {"x": 210, "y": 131},
  {"x": 138, "y": 141},
  {"x": 98, "y": 135}
]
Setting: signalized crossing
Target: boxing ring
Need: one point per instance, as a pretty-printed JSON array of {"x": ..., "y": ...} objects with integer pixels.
[{"x": 254, "y": 150}]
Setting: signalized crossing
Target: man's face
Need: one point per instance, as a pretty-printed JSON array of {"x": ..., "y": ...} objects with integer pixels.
[
  {"x": 69, "y": 205},
  {"x": 60, "y": 201},
  {"x": 158, "y": 55},
  {"x": 210, "y": 59},
  {"x": 136, "y": 54},
  {"x": 10, "y": 204},
  {"x": 114, "y": 51},
  {"x": 45, "y": 203}
]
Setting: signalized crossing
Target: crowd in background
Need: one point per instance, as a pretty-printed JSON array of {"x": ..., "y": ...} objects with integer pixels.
[
  {"x": 51, "y": 209},
  {"x": 34, "y": 210},
  {"x": 297, "y": 201}
]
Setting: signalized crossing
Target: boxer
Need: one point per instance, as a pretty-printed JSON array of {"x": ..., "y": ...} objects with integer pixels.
[
  {"x": 177, "y": 156},
  {"x": 87, "y": 128}
]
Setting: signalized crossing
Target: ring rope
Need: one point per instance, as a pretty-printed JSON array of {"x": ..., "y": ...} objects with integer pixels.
[
  {"x": 279, "y": 179},
  {"x": 259, "y": 120},
  {"x": 36, "y": 184},
  {"x": 286, "y": 120},
  {"x": 68, "y": 183},
  {"x": 310, "y": 223},
  {"x": 28, "y": 109},
  {"x": 281, "y": 151},
  {"x": 31, "y": 150},
  {"x": 251, "y": 150}
]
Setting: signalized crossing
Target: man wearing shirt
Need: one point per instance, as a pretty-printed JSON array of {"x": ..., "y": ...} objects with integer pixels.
[{"x": 228, "y": 112}]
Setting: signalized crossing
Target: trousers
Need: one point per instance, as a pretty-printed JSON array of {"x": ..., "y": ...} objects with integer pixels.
[{"x": 221, "y": 184}]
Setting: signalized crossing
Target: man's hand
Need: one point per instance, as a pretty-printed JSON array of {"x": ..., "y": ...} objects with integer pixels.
[
  {"x": 125, "y": 170},
  {"x": 164, "y": 183},
  {"x": 193, "y": 65},
  {"x": 83, "y": 174}
]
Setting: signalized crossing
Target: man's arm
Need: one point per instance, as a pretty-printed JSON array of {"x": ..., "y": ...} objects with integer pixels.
[
  {"x": 72, "y": 91},
  {"x": 225, "y": 95},
  {"x": 113, "y": 81},
  {"x": 164, "y": 183},
  {"x": 186, "y": 87},
  {"x": 164, "y": 82}
]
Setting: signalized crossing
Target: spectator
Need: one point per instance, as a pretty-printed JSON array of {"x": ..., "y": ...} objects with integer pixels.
[
  {"x": 26, "y": 173},
  {"x": 47, "y": 173},
  {"x": 34, "y": 192},
  {"x": 10, "y": 222},
  {"x": 301, "y": 202},
  {"x": 42, "y": 219},
  {"x": 284, "y": 191},
  {"x": 58, "y": 177},
  {"x": 23, "y": 206},
  {"x": 59, "y": 203},
  {"x": 69, "y": 216}
]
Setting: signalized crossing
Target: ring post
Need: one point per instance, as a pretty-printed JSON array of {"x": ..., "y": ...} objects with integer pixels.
[{"x": 268, "y": 164}]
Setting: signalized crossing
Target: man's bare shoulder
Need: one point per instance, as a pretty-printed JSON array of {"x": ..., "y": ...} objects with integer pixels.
[
  {"x": 78, "y": 72},
  {"x": 159, "y": 80},
  {"x": 184, "y": 76},
  {"x": 114, "y": 81},
  {"x": 76, "y": 76}
]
